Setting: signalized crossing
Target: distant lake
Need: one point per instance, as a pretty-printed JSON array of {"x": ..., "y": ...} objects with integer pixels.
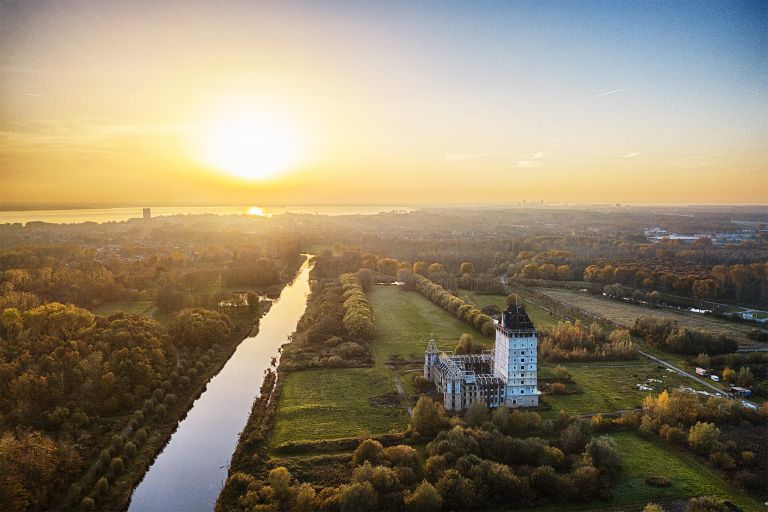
[{"x": 122, "y": 214}]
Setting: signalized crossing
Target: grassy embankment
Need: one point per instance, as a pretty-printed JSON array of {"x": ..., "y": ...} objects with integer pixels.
[{"x": 688, "y": 476}]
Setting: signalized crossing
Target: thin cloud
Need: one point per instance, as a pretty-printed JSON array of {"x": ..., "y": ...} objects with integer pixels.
[
  {"x": 614, "y": 91},
  {"x": 455, "y": 157},
  {"x": 21, "y": 69},
  {"x": 629, "y": 155},
  {"x": 532, "y": 160},
  {"x": 34, "y": 95}
]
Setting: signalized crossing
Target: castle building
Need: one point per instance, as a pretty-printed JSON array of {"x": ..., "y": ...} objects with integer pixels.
[{"x": 505, "y": 375}]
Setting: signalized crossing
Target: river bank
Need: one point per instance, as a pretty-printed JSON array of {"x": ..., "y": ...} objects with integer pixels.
[{"x": 189, "y": 471}]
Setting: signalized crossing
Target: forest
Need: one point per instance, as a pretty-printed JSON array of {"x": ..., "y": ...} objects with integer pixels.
[{"x": 109, "y": 331}]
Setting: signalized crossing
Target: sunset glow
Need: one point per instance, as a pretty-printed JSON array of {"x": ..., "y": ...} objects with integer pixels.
[
  {"x": 406, "y": 103},
  {"x": 250, "y": 144}
]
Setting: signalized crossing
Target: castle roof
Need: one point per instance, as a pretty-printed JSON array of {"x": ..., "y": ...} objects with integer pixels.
[{"x": 516, "y": 319}]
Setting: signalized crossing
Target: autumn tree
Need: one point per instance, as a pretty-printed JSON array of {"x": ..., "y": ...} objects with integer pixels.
[
  {"x": 703, "y": 437},
  {"x": 476, "y": 414},
  {"x": 420, "y": 268},
  {"x": 424, "y": 498},
  {"x": 564, "y": 273},
  {"x": 428, "y": 416},
  {"x": 467, "y": 345},
  {"x": 745, "y": 377},
  {"x": 198, "y": 327},
  {"x": 387, "y": 266}
]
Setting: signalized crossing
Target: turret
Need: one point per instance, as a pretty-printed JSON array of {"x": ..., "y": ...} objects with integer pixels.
[{"x": 430, "y": 357}]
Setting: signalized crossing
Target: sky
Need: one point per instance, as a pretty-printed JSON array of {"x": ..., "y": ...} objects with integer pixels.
[{"x": 383, "y": 102}]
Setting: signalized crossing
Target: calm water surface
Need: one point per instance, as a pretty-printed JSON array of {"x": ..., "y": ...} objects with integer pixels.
[
  {"x": 190, "y": 471},
  {"x": 76, "y": 216}
]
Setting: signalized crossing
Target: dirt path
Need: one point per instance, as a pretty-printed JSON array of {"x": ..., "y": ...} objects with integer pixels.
[{"x": 402, "y": 393}]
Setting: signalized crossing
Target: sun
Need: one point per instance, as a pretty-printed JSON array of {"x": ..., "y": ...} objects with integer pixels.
[{"x": 251, "y": 143}]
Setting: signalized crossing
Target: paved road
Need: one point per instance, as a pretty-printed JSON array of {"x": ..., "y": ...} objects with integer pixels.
[
  {"x": 701, "y": 381},
  {"x": 683, "y": 372}
]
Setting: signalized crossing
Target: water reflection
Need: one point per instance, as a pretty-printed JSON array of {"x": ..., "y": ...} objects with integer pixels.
[{"x": 189, "y": 473}]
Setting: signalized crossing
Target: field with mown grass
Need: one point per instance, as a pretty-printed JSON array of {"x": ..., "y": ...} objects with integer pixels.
[
  {"x": 336, "y": 403},
  {"x": 642, "y": 458},
  {"x": 406, "y": 319},
  {"x": 607, "y": 387},
  {"x": 688, "y": 476}
]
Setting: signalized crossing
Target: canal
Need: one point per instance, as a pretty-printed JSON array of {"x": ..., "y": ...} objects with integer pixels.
[{"x": 191, "y": 470}]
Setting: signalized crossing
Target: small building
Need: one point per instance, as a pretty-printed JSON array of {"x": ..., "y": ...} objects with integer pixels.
[
  {"x": 742, "y": 392},
  {"x": 701, "y": 371},
  {"x": 146, "y": 213}
]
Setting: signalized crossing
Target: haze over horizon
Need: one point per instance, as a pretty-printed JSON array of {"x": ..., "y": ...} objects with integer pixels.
[{"x": 392, "y": 103}]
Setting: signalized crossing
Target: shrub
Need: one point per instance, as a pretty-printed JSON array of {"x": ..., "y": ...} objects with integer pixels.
[
  {"x": 130, "y": 449},
  {"x": 424, "y": 498},
  {"x": 707, "y": 504},
  {"x": 101, "y": 486},
  {"x": 117, "y": 466},
  {"x": 658, "y": 481},
  {"x": 105, "y": 458},
  {"x": 356, "y": 497},
  {"x": 558, "y": 388},
  {"x": 118, "y": 442},
  {"x": 369, "y": 450},
  {"x": 141, "y": 436}
]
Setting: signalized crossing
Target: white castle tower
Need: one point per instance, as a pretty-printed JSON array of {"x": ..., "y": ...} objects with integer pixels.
[
  {"x": 504, "y": 376},
  {"x": 515, "y": 360}
]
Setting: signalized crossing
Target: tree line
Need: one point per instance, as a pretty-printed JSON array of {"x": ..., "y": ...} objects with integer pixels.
[
  {"x": 454, "y": 305},
  {"x": 668, "y": 335},
  {"x": 568, "y": 341}
]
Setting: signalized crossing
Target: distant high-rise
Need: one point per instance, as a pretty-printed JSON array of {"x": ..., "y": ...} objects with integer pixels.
[{"x": 147, "y": 214}]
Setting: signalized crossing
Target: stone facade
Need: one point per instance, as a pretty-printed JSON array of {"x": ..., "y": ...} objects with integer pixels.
[{"x": 505, "y": 375}]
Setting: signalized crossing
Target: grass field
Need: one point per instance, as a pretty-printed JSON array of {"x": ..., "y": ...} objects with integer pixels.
[
  {"x": 689, "y": 477},
  {"x": 405, "y": 320},
  {"x": 540, "y": 317},
  {"x": 607, "y": 387},
  {"x": 334, "y": 403},
  {"x": 625, "y": 314}
]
